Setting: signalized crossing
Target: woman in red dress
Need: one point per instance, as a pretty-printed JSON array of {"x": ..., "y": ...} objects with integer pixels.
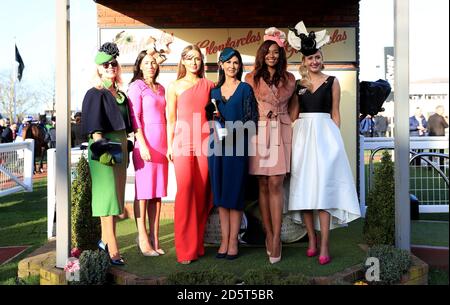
[{"x": 187, "y": 146}]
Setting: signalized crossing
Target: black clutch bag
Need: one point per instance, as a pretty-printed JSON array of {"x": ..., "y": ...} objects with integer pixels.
[{"x": 99, "y": 147}]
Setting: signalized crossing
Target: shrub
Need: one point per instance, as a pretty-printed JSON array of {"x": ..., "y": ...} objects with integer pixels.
[
  {"x": 264, "y": 276},
  {"x": 212, "y": 276},
  {"x": 296, "y": 279},
  {"x": 273, "y": 276},
  {"x": 394, "y": 262},
  {"x": 86, "y": 229},
  {"x": 93, "y": 267},
  {"x": 379, "y": 225}
]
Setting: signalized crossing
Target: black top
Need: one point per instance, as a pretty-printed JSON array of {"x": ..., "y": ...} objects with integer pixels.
[
  {"x": 100, "y": 112},
  {"x": 6, "y": 135},
  {"x": 437, "y": 125},
  {"x": 319, "y": 101}
]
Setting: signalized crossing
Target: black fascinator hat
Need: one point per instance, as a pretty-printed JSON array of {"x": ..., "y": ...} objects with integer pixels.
[
  {"x": 307, "y": 43},
  {"x": 107, "y": 52}
]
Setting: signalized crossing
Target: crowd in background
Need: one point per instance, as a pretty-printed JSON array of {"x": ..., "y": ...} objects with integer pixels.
[
  {"x": 381, "y": 126},
  {"x": 12, "y": 132}
]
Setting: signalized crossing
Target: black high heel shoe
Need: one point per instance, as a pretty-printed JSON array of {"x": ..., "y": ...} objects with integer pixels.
[{"x": 104, "y": 247}]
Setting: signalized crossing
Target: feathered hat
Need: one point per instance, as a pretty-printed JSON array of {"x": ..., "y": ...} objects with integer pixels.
[
  {"x": 159, "y": 48},
  {"x": 307, "y": 43},
  {"x": 276, "y": 35}
]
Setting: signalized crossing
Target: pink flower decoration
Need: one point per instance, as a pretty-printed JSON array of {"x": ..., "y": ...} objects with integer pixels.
[{"x": 72, "y": 265}]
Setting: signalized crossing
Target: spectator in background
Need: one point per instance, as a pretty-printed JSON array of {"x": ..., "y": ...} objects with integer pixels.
[
  {"x": 2, "y": 125},
  {"x": 8, "y": 134},
  {"x": 417, "y": 128},
  {"x": 366, "y": 125},
  {"x": 380, "y": 125},
  {"x": 417, "y": 124},
  {"x": 52, "y": 133},
  {"x": 77, "y": 136},
  {"x": 437, "y": 123}
]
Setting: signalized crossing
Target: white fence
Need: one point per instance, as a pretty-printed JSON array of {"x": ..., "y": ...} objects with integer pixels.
[
  {"x": 416, "y": 143},
  {"x": 16, "y": 167}
]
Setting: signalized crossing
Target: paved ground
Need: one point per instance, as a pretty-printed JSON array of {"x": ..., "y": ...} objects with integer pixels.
[{"x": 8, "y": 253}]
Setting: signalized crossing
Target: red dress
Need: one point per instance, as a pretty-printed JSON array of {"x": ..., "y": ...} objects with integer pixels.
[{"x": 193, "y": 200}]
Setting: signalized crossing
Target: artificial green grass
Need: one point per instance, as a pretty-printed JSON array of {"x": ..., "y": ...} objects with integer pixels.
[
  {"x": 429, "y": 233},
  {"x": 437, "y": 277},
  {"x": 343, "y": 247},
  {"x": 23, "y": 222}
]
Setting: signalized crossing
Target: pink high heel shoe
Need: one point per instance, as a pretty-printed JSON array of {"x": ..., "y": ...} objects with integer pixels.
[
  {"x": 311, "y": 252},
  {"x": 323, "y": 260}
]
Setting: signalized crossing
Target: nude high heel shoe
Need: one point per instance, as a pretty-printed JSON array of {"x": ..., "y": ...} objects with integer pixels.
[
  {"x": 146, "y": 253},
  {"x": 274, "y": 260}
]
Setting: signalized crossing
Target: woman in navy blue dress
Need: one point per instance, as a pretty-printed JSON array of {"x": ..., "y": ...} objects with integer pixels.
[{"x": 233, "y": 113}]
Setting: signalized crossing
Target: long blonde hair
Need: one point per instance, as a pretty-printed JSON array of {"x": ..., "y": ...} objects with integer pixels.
[
  {"x": 97, "y": 81},
  {"x": 305, "y": 80},
  {"x": 182, "y": 69}
]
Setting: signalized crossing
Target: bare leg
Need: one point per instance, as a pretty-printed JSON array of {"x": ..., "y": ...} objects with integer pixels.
[
  {"x": 109, "y": 237},
  {"x": 309, "y": 223},
  {"x": 235, "y": 226},
  {"x": 324, "y": 218},
  {"x": 264, "y": 207},
  {"x": 276, "y": 211},
  {"x": 139, "y": 216},
  {"x": 224, "y": 216},
  {"x": 154, "y": 212}
]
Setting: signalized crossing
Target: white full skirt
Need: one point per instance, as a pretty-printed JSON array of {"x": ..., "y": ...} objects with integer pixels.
[{"x": 321, "y": 177}]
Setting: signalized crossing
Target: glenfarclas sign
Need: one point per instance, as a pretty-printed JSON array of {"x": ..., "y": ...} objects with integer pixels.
[
  {"x": 342, "y": 46},
  {"x": 212, "y": 47}
]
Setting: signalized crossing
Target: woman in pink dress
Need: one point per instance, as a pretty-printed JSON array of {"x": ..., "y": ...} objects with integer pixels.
[
  {"x": 147, "y": 103},
  {"x": 187, "y": 148}
]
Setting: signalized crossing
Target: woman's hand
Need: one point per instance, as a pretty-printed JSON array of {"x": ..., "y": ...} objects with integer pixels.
[
  {"x": 145, "y": 154},
  {"x": 169, "y": 154}
]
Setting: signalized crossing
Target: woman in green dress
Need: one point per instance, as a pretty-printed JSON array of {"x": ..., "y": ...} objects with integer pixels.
[{"x": 107, "y": 122}]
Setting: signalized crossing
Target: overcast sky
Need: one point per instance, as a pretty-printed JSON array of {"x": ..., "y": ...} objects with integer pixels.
[{"x": 31, "y": 25}]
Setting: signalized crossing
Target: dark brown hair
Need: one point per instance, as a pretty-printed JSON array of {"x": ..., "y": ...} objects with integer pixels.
[
  {"x": 137, "y": 72},
  {"x": 261, "y": 70}
]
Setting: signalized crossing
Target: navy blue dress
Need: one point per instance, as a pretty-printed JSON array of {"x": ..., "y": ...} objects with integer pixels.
[{"x": 228, "y": 158}]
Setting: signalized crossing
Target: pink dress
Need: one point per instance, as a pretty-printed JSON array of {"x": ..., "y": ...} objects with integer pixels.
[{"x": 147, "y": 110}]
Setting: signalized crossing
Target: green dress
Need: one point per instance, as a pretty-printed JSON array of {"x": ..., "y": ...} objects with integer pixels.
[{"x": 108, "y": 182}]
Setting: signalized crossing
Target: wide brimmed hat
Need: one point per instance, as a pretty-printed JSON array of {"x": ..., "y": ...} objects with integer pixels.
[
  {"x": 276, "y": 35},
  {"x": 107, "y": 52},
  {"x": 307, "y": 43}
]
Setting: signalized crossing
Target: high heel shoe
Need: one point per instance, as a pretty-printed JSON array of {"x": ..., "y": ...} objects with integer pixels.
[
  {"x": 146, "y": 253},
  {"x": 159, "y": 250},
  {"x": 311, "y": 252},
  {"x": 274, "y": 260},
  {"x": 323, "y": 260},
  {"x": 104, "y": 247},
  {"x": 221, "y": 255}
]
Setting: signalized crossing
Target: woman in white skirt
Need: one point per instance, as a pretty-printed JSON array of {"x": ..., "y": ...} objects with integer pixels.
[{"x": 322, "y": 191}]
